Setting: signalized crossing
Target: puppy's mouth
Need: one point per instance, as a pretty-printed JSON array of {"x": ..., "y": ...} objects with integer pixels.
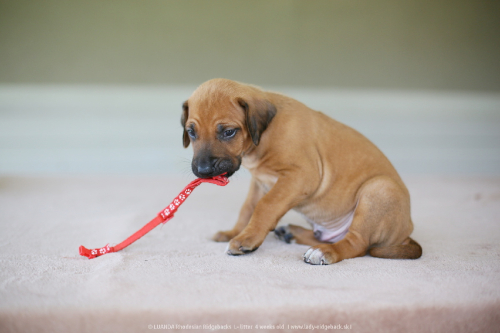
[
  {"x": 228, "y": 174},
  {"x": 216, "y": 167}
]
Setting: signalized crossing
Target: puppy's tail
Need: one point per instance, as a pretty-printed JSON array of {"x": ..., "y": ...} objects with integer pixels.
[{"x": 409, "y": 249}]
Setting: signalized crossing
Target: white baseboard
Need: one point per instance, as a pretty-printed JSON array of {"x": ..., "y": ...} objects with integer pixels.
[{"x": 136, "y": 130}]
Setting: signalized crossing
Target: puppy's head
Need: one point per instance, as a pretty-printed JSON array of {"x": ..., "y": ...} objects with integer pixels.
[{"x": 224, "y": 119}]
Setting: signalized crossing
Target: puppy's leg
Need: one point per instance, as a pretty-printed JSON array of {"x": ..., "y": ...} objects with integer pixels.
[
  {"x": 296, "y": 233},
  {"x": 287, "y": 191},
  {"x": 255, "y": 193},
  {"x": 382, "y": 218}
]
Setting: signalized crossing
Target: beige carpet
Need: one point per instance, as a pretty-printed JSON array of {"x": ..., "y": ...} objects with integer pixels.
[{"x": 175, "y": 276}]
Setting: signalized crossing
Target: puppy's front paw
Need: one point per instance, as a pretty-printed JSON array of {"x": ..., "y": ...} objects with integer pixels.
[
  {"x": 320, "y": 255},
  {"x": 224, "y": 236},
  {"x": 237, "y": 247}
]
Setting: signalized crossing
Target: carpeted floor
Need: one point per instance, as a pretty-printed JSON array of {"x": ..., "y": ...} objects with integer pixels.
[{"x": 175, "y": 276}]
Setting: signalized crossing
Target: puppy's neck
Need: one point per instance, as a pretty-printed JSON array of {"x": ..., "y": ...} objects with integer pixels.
[{"x": 250, "y": 159}]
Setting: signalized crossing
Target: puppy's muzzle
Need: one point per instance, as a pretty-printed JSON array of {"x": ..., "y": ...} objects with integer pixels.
[{"x": 205, "y": 167}]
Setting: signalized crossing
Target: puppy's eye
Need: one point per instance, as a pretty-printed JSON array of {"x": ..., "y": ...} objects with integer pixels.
[
  {"x": 191, "y": 133},
  {"x": 229, "y": 133}
]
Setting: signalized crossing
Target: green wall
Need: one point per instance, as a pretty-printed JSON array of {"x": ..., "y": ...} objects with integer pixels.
[{"x": 401, "y": 44}]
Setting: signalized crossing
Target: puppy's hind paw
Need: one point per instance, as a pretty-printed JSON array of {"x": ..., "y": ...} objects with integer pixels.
[
  {"x": 322, "y": 254},
  {"x": 284, "y": 234},
  {"x": 315, "y": 256}
]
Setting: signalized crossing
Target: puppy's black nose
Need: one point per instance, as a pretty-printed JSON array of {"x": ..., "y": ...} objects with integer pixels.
[
  {"x": 205, "y": 170},
  {"x": 206, "y": 167}
]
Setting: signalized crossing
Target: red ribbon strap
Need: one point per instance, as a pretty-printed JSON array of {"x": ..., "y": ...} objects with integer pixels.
[{"x": 163, "y": 217}]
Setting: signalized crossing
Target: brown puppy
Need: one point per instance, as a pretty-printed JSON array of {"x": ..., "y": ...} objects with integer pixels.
[{"x": 303, "y": 160}]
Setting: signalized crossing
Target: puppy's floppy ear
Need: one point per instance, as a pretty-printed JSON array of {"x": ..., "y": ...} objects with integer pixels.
[
  {"x": 258, "y": 115},
  {"x": 184, "y": 118}
]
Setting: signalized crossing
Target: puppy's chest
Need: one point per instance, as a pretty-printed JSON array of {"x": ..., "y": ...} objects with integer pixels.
[{"x": 265, "y": 181}]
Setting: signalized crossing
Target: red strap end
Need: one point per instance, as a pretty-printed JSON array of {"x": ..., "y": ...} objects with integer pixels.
[{"x": 94, "y": 253}]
